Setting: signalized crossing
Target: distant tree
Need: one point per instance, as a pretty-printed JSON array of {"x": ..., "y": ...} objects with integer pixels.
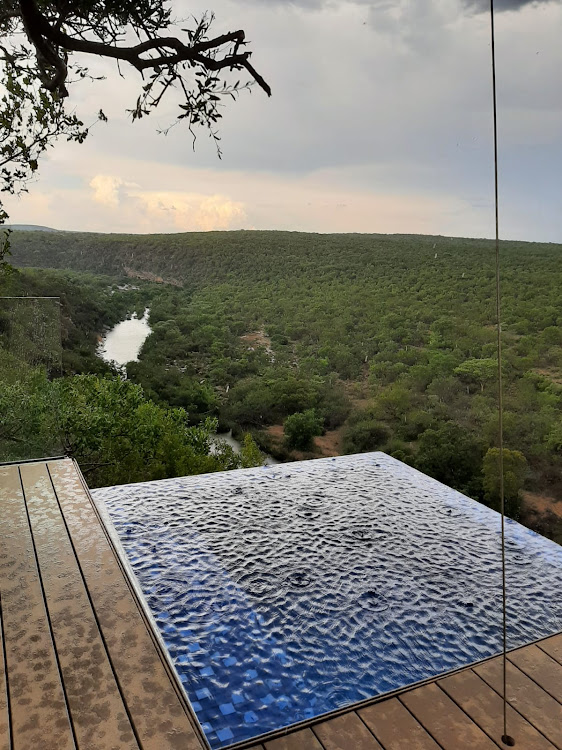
[
  {"x": 552, "y": 336},
  {"x": 394, "y": 401},
  {"x": 250, "y": 454},
  {"x": 364, "y": 433},
  {"x": 480, "y": 371},
  {"x": 554, "y": 438},
  {"x": 446, "y": 388},
  {"x": 451, "y": 455},
  {"x": 514, "y": 472},
  {"x": 5, "y": 267},
  {"x": 300, "y": 428}
]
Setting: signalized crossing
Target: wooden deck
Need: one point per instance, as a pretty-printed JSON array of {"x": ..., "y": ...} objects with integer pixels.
[
  {"x": 463, "y": 711},
  {"x": 80, "y": 666}
]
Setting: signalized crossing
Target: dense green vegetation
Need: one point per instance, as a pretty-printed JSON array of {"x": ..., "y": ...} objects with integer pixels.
[
  {"x": 389, "y": 339},
  {"x": 108, "y": 424}
]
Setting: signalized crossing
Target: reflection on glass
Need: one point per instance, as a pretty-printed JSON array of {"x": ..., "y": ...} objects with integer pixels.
[{"x": 30, "y": 360}]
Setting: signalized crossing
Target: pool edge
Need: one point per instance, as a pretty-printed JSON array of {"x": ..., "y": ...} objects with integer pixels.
[{"x": 144, "y": 609}]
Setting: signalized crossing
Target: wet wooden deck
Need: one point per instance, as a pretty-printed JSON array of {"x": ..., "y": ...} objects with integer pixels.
[
  {"x": 81, "y": 668},
  {"x": 79, "y": 664},
  {"x": 463, "y": 711}
]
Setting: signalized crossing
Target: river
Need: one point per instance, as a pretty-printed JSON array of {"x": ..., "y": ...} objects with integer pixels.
[
  {"x": 123, "y": 343},
  {"x": 236, "y": 445}
]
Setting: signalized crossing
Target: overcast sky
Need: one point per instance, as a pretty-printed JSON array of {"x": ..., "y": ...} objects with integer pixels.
[{"x": 380, "y": 121}]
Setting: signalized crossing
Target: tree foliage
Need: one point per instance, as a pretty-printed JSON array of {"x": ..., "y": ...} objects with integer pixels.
[
  {"x": 250, "y": 454},
  {"x": 115, "y": 433},
  {"x": 452, "y": 455},
  {"x": 300, "y": 428},
  {"x": 479, "y": 371},
  {"x": 514, "y": 473}
]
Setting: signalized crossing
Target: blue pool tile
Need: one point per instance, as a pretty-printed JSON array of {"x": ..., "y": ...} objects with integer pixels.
[
  {"x": 224, "y": 734},
  {"x": 229, "y": 661},
  {"x": 196, "y": 706},
  {"x": 250, "y": 717},
  {"x": 237, "y": 698},
  {"x": 194, "y": 647},
  {"x": 250, "y": 674},
  {"x": 227, "y": 708},
  {"x": 206, "y": 671},
  {"x": 203, "y": 693},
  {"x": 268, "y": 699}
]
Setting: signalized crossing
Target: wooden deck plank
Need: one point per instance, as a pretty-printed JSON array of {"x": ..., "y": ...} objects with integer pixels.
[
  {"x": 553, "y": 647},
  {"x": 395, "y": 727},
  {"x": 160, "y": 719},
  {"x": 38, "y": 708},
  {"x": 444, "y": 720},
  {"x": 4, "y": 716},
  {"x": 304, "y": 739},
  {"x": 94, "y": 700},
  {"x": 531, "y": 701},
  {"x": 541, "y": 668},
  {"x": 485, "y": 707},
  {"x": 344, "y": 732}
]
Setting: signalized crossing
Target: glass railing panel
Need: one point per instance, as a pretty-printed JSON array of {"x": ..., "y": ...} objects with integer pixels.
[{"x": 30, "y": 364}]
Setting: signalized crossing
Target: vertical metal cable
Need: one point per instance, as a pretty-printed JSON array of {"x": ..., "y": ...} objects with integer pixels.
[{"x": 506, "y": 739}]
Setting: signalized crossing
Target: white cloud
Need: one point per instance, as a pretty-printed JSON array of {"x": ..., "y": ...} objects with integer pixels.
[
  {"x": 165, "y": 210},
  {"x": 106, "y": 189},
  {"x": 188, "y": 212}
]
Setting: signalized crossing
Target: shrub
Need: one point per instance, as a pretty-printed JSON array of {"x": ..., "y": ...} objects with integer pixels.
[{"x": 300, "y": 428}]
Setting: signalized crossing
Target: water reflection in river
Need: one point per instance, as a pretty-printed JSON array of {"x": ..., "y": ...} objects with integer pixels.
[
  {"x": 236, "y": 445},
  {"x": 123, "y": 343}
]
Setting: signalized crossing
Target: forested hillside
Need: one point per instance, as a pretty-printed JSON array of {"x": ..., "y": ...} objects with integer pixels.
[{"x": 381, "y": 342}]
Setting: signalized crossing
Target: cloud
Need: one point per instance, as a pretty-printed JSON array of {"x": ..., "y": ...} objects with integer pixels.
[
  {"x": 106, "y": 189},
  {"x": 165, "y": 210},
  {"x": 394, "y": 8},
  {"x": 481, "y": 6},
  {"x": 190, "y": 212}
]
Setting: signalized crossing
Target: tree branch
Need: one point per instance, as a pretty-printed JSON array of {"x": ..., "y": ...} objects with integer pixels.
[{"x": 44, "y": 36}]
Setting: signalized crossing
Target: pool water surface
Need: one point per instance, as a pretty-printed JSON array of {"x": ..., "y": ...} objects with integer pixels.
[{"x": 287, "y": 591}]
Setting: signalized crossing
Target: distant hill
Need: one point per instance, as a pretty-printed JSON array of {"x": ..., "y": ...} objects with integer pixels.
[
  {"x": 200, "y": 258},
  {"x": 30, "y": 228}
]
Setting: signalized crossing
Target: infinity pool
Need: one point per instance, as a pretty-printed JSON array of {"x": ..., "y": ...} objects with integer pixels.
[{"x": 288, "y": 591}]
